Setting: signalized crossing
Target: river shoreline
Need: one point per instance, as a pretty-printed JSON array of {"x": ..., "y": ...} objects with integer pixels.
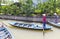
[{"x": 27, "y": 19}]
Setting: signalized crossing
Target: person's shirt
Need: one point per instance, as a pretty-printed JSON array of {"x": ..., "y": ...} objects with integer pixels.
[
  {"x": 44, "y": 19},
  {"x": 56, "y": 18}
]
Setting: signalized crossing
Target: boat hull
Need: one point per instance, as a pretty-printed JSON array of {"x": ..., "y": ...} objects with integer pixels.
[
  {"x": 4, "y": 32},
  {"x": 54, "y": 24},
  {"x": 32, "y": 27}
]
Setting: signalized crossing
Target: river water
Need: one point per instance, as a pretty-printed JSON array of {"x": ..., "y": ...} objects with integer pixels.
[{"x": 20, "y": 33}]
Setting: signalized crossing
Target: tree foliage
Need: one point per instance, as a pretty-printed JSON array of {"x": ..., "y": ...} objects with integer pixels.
[{"x": 26, "y": 8}]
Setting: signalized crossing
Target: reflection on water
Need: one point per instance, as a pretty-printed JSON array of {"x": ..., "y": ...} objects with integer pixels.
[{"x": 20, "y": 33}]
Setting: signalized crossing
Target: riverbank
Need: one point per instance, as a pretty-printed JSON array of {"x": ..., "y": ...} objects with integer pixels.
[{"x": 21, "y": 18}]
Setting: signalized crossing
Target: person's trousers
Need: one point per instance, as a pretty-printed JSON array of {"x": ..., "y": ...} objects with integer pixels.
[{"x": 44, "y": 24}]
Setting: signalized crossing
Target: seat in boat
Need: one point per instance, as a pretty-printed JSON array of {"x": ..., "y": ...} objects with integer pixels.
[
  {"x": 25, "y": 25},
  {"x": 20, "y": 24}
]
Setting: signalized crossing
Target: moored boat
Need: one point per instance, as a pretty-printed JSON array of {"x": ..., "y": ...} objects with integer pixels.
[
  {"x": 4, "y": 32},
  {"x": 30, "y": 25},
  {"x": 54, "y": 24}
]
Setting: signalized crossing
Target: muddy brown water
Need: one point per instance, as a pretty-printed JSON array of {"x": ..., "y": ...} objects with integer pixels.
[{"x": 20, "y": 33}]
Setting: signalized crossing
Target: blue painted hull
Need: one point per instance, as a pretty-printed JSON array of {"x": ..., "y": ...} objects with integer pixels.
[
  {"x": 30, "y": 26},
  {"x": 5, "y": 34}
]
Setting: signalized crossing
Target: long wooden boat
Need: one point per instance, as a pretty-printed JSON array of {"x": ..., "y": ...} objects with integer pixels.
[
  {"x": 4, "y": 32},
  {"x": 30, "y": 25},
  {"x": 54, "y": 24}
]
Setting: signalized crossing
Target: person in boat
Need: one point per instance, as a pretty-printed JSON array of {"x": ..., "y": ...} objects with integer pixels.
[
  {"x": 56, "y": 17},
  {"x": 44, "y": 20}
]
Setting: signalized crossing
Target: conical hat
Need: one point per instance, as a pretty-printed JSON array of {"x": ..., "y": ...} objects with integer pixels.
[
  {"x": 55, "y": 13},
  {"x": 44, "y": 14}
]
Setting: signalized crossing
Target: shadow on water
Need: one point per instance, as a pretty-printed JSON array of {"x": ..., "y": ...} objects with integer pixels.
[
  {"x": 19, "y": 28},
  {"x": 31, "y": 30},
  {"x": 27, "y": 29}
]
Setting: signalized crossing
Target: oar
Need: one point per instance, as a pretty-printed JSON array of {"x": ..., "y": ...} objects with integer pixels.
[{"x": 43, "y": 31}]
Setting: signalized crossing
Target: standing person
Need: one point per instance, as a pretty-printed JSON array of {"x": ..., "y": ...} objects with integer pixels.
[
  {"x": 44, "y": 20},
  {"x": 56, "y": 17}
]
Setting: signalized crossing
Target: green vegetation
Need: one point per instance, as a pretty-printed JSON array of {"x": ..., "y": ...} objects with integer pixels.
[{"x": 26, "y": 8}]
